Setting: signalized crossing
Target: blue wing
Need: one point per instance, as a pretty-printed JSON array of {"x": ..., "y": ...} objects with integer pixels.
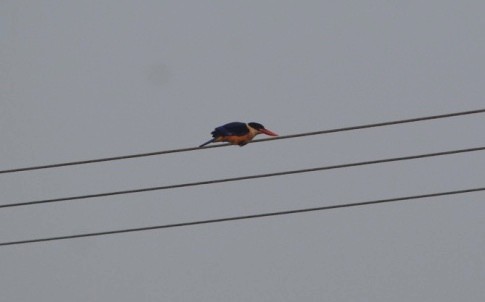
[{"x": 235, "y": 128}]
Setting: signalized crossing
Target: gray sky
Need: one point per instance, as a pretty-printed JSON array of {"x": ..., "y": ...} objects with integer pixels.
[{"x": 88, "y": 79}]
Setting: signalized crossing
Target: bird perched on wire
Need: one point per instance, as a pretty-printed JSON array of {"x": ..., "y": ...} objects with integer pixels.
[{"x": 237, "y": 133}]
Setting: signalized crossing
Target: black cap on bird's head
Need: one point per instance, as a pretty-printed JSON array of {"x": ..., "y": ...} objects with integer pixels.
[
  {"x": 260, "y": 128},
  {"x": 256, "y": 126}
]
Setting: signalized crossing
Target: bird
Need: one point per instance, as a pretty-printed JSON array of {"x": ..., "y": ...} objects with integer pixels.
[{"x": 237, "y": 133}]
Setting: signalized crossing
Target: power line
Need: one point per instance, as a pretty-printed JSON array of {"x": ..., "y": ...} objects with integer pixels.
[
  {"x": 374, "y": 125},
  {"x": 214, "y": 181},
  {"x": 217, "y": 220}
]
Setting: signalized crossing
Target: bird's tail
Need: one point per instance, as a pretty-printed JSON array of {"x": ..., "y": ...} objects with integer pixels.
[{"x": 208, "y": 142}]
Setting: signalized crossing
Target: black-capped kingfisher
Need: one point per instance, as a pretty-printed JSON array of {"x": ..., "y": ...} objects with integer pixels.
[{"x": 237, "y": 133}]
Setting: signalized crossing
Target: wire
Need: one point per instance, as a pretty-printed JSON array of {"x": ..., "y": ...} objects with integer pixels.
[
  {"x": 217, "y": 220},
  {"x": 382, "y": 124},
  {"x": 214, "y": 181}
]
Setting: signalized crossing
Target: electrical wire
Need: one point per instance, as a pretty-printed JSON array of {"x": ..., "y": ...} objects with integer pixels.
[
  {"x": 207, "y": 182},
  {"x": 243, "y": 217},
  {"x": 123, "y": 157}
]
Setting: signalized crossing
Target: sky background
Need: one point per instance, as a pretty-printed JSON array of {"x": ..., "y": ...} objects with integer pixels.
[{"x": 90, "y": 79}]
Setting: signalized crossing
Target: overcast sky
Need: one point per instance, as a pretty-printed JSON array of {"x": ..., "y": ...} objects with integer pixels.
[{"x": 90, "y": 79}]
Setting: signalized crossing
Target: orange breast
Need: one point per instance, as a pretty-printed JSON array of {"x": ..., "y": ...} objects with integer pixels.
[{"x": 236, "y": 140}]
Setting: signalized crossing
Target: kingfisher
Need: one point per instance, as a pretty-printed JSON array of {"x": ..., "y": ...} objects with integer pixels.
[{"x": 237, "y": 133}]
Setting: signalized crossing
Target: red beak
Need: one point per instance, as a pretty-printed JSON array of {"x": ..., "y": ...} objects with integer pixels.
[{"x": 268, "y": 132}]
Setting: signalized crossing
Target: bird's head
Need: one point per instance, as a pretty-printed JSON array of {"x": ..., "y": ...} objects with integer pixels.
[{"x": 260, "y": 129}]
